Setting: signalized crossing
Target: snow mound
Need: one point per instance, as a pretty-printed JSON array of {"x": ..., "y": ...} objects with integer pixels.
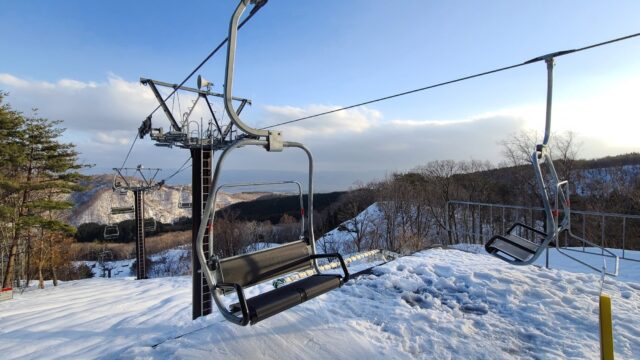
[
  {"x": 629, "y": 271},
  {"x": 361, "y": 228},
  {"x": 435, "y": 304}
]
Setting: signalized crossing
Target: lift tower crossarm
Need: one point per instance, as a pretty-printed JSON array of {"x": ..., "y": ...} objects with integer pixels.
[
  {"x": 165, "y": 108},
  {"x": 145, "y": 81}
]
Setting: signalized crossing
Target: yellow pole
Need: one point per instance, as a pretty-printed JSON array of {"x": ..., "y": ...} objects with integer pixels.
[{"x": 606, "y": 328}]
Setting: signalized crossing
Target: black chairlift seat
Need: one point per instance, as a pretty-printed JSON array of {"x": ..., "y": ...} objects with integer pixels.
[
  {"x": 519, "y": 250},
  {"x": 242, "y": 271},
  {"x": 111, "y": 232},
  {"x": 122, "y": 210},
  {"x": 149, "y": 224}
]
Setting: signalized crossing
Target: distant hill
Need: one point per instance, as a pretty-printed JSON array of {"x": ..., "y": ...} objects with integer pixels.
[
  {"x": 273, "y": 208},
  {"x": 94, "y": 204}
]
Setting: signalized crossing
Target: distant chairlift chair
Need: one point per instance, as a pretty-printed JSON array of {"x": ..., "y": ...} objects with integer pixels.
[
  {"x": 111, "y": 232},
  {"x": 184, "y": 199},
  {"x": 121, "y": 209},
  {"x": 150, "y": 225},
  {"x": 236, "y": 273},
  {"x": 514, "y": 247}
]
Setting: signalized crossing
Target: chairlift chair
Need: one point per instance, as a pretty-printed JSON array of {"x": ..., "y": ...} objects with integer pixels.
[
  {"x": 235, "y": 274},
  {"x": 150, "y": 225},
  {"x": 184, "y": 199},
  {"x": 111, "y": 232},
  {"x": 514, "y": 247},
  {"x": 120, "y": 209}
]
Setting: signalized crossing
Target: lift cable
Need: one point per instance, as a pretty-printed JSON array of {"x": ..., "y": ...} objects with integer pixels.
[
  {"x": 180, "y": 169},
  {"x": 254, "y": 10},
  {"x": 540, "y": 58},
  {"x": 135, "y": 138}
]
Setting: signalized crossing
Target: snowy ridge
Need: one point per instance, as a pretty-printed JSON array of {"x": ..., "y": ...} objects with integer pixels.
[
  {"x": 341, "y": 239},
  {"x": 435, "y": 304},
  {"x": 162, "y": 204},
  {"x": 172, "y": 262}
]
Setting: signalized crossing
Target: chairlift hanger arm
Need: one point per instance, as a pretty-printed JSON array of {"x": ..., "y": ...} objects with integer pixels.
[
  {"x": 228, "y": 82},
  {"x": 549, "y": 59},
  {"x": 547, "y": 127}
]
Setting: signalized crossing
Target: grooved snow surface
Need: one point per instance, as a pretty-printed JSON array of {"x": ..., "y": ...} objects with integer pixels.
[{"x": 436, "y": 304}]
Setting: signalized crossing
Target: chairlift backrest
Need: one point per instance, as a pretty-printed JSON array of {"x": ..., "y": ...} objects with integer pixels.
[
  {"x": 271, "y": 183},
  {"x": 150, "y": 224},
  {"x": 263, "y": 265},
  {"x": 111, "y": 231},
  {"x": 123, "y": 204},
  {"x": 184, "y": 199}
]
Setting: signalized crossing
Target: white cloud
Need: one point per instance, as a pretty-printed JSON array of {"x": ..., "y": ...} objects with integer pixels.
[
  {"x": 102, "y": 118},
  {"x": 112, "y": 137},
  {"x": 423, "y": 123},
  {"x": 13, "y": 81},
  {"x": 356, "y": 120},
  {"x": 110, "y": 106},
  {"x": 75, "y": 84}
]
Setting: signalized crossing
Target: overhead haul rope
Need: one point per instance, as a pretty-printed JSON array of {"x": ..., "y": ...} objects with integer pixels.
[
  {"x": 540, "y": 58},
  {"x": 180, "y": 169},
  {"x": 135, "y": 138},
  {"x": 253, "y": 11}
]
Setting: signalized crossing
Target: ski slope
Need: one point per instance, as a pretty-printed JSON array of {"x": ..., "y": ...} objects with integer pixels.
[{"x": 444, "y": 304}]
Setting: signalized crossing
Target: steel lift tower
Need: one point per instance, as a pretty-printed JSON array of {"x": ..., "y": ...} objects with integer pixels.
[
  {"x": 138, "y": 185},
  {"x": 202, "y": 140}
]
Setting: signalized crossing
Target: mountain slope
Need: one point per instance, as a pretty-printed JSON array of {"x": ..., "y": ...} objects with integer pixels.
[{"x": 95, "y": 204}]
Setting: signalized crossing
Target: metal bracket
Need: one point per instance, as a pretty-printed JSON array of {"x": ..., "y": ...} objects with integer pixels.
[
  {"x": 274, "y": 141},
  {"x": 165, "y": 108}
]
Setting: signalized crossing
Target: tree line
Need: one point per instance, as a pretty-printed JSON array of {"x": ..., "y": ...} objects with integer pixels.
[
  {"x": 38, "y": 170},
  {"x": 411, "y": 208}
]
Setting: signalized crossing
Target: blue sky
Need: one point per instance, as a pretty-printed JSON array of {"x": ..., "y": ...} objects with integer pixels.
[{"x": 297, "y": 57}]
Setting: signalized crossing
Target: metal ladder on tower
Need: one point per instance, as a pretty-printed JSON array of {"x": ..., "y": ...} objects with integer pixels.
[
  {"x": 206, "y": 158},
  {"x": 139, "y": 218}
]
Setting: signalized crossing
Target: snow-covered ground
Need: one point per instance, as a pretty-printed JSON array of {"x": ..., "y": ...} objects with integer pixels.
[
  {"x": 170, "y": 262},
  {"x": 629, "y": 271},
  {"x": 341, "y": 239},
  {"x": 442, "y": 304}
]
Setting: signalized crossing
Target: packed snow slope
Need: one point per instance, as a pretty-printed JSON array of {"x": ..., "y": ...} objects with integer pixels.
[{"x": 442, "y": 304}]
